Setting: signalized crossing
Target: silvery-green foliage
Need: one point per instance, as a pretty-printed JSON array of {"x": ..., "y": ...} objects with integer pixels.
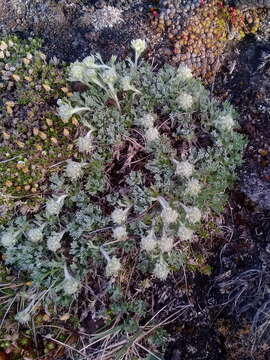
[
  {"x": 86, "y": 219},
  {"x": 57, "y": 183},
  {"x": 165, "y": 184},
  {"x": 96, "y": 180},
  {"x": 138, "y": 190},
  {"x": 36, "y": 234},
  {"x": 34, "y": 260},
  {"x": 9, "y": 238}
]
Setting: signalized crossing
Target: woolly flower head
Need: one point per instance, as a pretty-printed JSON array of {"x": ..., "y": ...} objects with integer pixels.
[
  {"x": 185, "y": 101},
  {"x": 184, "y": 72},
  {"x": 185, "y": 233},
  {"x": 23, "y": 317},
  {"x": 70, "y": 285},
  {"x": 65, "y": 110},
  {"x": 54, "y": 241},
  {"x": 113, "y": 266},
  {"x": 54, "y": 206},
  {"x": 94, "y": 62},
  {"x": 77, "y": 71},
  {"x": 3, "y": 45},
  {"x": 193, "y": 187},
  {"x": 9, "y": 238},
  {"x": 90, "y": 61},
  {"x": 168, "y": 214},
  {"x": 193, "y": 214},
  {"x": 147, "y": 121},
  {"x": 152, "y": 134},
  {"x": 149, "y": 242},
  {"x": 120, "y": 233},
  {"x": 84, "y": 143},
  {"x": 36, "y": 235},
  {"x": 166, "y": 243},
  {"x": 225, "y": 122},
  {"x": 119, "y": 216},
  {"x": 125, "y": 82},
  {"x": 109, "y": 76},
  {"x": 139, "y": 46},
  {"x": 74, "y": 169},
  {"x": 161, "y": 270},
  {"x": 183, "y": 168},
  {"x": 127, "y": 86}
]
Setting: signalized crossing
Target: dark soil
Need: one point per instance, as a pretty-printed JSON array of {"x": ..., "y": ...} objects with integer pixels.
[{"x": 66, "y": 29}]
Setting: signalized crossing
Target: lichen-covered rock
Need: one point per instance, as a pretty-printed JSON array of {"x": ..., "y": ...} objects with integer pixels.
[
  {"x": 200, "y": 30},
  {"x": 257, "y": 189},
  {"x": 252, "y": 4}
]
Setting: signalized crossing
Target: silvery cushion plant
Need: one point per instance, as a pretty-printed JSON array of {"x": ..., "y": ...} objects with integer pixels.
[{"x": 157, "y": 156}]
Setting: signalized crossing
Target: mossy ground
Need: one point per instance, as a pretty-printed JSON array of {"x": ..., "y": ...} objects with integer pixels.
[{"x": 34, "y": 140}]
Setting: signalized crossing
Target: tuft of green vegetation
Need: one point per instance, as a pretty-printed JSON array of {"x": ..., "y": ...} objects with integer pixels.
[
  {"x": 156, "y": 156},
  {"x": 32, "y": 138}
]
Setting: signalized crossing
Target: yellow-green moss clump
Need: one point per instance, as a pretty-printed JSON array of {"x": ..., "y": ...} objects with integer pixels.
[{"x": 33, "y": 140}]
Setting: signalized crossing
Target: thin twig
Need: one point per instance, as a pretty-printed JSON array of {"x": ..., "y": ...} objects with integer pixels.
[
  {"x": 63, "y": 344},
  {"x": 59, "y": 163},
  {"x": 69, "y": 330},
  {"x": 134, "y": 142},
  {"x": 7, "y": 160},
  {"x": 149, "y": 351},
  {"x": 4, "y": 317}
]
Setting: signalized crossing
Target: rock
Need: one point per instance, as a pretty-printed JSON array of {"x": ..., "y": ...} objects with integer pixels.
[
  {"x": 255, "y": 4},
  {"x": 257, "y": 189}
]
